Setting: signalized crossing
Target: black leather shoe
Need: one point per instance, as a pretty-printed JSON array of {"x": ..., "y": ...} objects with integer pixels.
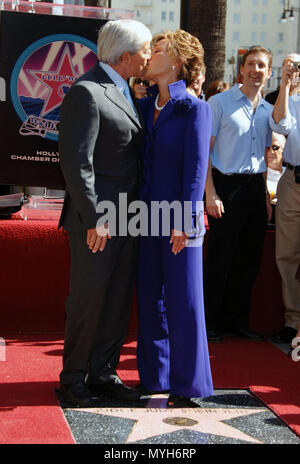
[
  {"x": 285, "y": 335},
  {"x": 115, "y": 388},
  {"x": 77, "y": 395},
  {"x": 176, "y": 401},
  {"x": 214, "y": 336},
  {"x": 145, "y": 392},
  {"x": 245, "y": 333}
]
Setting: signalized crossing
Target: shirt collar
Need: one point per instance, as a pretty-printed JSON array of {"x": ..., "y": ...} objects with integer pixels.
[
  {"x": 264, "y": 103},
  {"x": 114, "y": 75},
  {"x": 176, "y": 89},
  {"x": 238, "y": 95}
]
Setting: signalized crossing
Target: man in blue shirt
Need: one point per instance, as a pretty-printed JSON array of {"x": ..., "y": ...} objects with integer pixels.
[
  {"x": 286, "y": 120},
  {"x": 236, "y": 199}
]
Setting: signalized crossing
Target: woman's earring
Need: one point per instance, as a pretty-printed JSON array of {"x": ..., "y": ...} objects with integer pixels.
[{"x": 173, "y": 67}]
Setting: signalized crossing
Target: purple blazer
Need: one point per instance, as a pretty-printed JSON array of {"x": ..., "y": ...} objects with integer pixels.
[{"x": 176, "y": 148}]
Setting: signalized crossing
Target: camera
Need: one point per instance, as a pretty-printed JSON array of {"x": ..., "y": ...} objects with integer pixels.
[
  {"x": 296, "y": 65},
  {"x": 297, "y": 174}
]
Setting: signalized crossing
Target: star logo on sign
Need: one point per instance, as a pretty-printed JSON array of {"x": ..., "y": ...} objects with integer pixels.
[
  {"x": 154, "y": 421},
  {"x": 57, "y": 82}
]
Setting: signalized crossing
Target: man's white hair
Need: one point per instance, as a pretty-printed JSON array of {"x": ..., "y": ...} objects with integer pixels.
[
  {"x": 292, "y": 56},
  {"x": 280, "y": 138},
  {"x": 120, "y": 36}
]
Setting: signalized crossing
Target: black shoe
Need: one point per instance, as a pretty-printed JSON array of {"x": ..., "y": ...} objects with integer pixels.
[
  {"x": 77, "y": 395},
  {"x": 145, "y": 392},
  {"x": 285, "y": 335},
  {"x": 114, "y": 388},
  {"x": 245, "y": 333},
  {"x": 176, "y": 401},
  {"x": 214, "y": 336}
]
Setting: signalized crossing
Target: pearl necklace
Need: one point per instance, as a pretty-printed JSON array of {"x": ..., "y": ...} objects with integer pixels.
[{"x": 159, "y": 108}]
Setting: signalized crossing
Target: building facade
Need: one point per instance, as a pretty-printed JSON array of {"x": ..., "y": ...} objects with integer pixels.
[
  {"x": 158, "y": 15},
  {"x": 248, "y": 22}
]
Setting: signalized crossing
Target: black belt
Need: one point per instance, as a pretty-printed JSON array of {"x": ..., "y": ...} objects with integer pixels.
[
  {"x": 289, "y": 166},
  {"x": 216, "y": 171}
]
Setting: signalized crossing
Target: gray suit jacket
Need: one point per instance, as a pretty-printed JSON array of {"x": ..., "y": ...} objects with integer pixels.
[{"x": 99, "y": 145}]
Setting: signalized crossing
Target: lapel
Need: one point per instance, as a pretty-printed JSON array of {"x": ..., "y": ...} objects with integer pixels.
[
  {"x": 114, "y": 95},
  {"x": 163, "y": 116},
  {"x": 177, "y": 90},
  {"x": 137, "y": 107}
]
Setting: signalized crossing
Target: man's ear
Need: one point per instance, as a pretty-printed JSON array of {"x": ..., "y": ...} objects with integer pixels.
[
  {"x": 125, "y": 57},
  {"x": 242, "y": 70},
  {"x": 270, "y": 73}
]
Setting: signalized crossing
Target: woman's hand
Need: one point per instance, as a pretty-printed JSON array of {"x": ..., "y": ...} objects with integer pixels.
[{"x": 179, "y": 241}]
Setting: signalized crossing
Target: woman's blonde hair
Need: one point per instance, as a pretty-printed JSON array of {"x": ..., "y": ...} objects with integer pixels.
[{"x": 187, "y": 48}]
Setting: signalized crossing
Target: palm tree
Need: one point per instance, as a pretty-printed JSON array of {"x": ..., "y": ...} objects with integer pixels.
[{"x": 207, "y": 21}]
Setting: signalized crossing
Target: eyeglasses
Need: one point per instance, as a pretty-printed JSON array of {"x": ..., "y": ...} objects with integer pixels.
[
  {"x": 140, "y": 81},
  {"x": 275, "y": 147}
]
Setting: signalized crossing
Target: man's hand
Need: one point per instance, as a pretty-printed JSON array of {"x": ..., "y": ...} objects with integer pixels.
[
  {"x": 269, "y": 206},
  {"x": 179, "y": 241},
  {"x": 288, "y": 73},
  {"x": 97, "y": 238},
  {"x": 214, "y": 205}
]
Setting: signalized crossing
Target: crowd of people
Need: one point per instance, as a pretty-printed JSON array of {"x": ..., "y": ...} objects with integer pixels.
[{"x": 162, "y": 139}]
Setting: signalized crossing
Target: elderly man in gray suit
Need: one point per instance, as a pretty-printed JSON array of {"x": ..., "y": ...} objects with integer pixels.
[{"x": 99, "y": 141}]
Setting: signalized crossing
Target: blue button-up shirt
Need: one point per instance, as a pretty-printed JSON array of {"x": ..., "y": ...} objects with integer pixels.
[
  {"x": 118, "y": 81},
  {"x": 242, "y": 134},
  {"x": 290, "y": 126}
]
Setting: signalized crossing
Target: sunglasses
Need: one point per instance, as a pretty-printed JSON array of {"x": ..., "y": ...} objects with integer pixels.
[
  {"x": 275, "y": 147},
  {"x": 140, "y": 81}
]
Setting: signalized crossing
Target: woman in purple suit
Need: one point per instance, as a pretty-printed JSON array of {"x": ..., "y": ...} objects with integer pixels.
[{"x": 172, "y": 345}]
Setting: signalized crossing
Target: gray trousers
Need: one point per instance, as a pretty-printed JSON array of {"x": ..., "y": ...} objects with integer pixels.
[
  {"x": 98, "y": 307},
  {"x": 287, "y": 216}
]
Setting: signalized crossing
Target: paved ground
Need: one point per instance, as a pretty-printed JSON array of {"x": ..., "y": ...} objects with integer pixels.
[{"x": 228, "y": 417}]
